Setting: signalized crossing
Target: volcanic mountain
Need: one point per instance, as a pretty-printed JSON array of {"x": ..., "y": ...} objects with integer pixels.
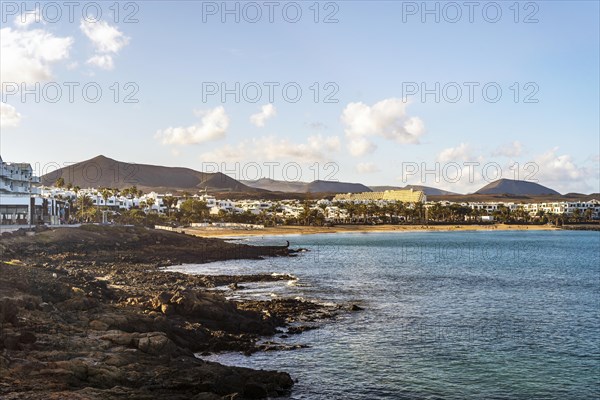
[
  {"x": 513, "y": 187},
  {"x": 307, "y": 187},
  {"x": 428, "y": 190},
  {"x": 102, "y": 171}
]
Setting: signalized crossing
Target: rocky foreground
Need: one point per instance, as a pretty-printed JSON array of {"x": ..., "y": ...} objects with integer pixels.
[{"x": 87, "y": 313}]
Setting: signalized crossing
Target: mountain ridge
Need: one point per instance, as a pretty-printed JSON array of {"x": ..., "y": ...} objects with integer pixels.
[
  {"x": 317, "y": 186},
  {"x": 428, "y": 190},
  {"x": 516, "y": 187},
  {"x": 102, "y": 171}
]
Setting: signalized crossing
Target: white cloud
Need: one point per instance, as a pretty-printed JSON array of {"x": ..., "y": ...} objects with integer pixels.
[
  {"x": 25, "y": 19},
  {"x": 9, "y": 117},
  {"x": 269, "y": 148},
  {"x": 259, "y": 119},
  {"x": 107, "y": 40},
  {"x": 513, "y": 149},
  {"x": 386, "y": 119},
  {"x": 462, "y": 152},
  {"x": 414, "y": 126},
  {"x": 361, "y": 146},
  {"x": 315, "y": 149},
  {"x": 103, "y": 61},
  {"x": 561, "y": 173},
  {"x": 27, "y": 55},
  {"x": 458, "y": 170},
  {"x": 227, "y": 153},
  {"x": 213, "y": 126},
  {"x": 366, "y": 168}
]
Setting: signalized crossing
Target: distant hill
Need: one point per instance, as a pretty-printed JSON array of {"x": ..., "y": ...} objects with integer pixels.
[
  {"x": 517, "y": 188},
  {"x": 429, "y": 191},
  {"x": 276, "y": 186},
  {"x": 102, "y": 171},
  {"x": 336, "y": 187},
  {"x": 307, "y": 187}
]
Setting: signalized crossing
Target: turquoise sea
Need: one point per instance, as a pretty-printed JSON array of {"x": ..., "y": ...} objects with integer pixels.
[{"x": 447, "y": 315}]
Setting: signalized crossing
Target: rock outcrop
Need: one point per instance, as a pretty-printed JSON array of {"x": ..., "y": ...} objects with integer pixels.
[{"x": 84, "y": 318}]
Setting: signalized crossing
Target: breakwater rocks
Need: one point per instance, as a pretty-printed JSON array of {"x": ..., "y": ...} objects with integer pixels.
[
  {"x": 581, "y": 227},
  {"x": 88, "y": 313}
]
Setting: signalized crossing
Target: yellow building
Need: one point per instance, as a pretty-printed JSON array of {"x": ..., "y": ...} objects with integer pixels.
[{"x": 405, "y": 196}]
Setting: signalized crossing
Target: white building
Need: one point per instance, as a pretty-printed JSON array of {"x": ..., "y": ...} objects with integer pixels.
[{"x": 20, "y": 200}]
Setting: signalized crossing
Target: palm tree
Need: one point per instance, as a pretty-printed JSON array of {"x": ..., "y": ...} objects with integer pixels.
[
  {"x": 399, "y": 209},
  {"x": 323, "y": 208},
  {"x": 361, "y": 210},
  {"x": 305, "y": 214},
  {"x": 273, "y": 210},
  {"x": 577, "y": 214},
  {"x": 169, "y": 201},
  {"x": 60, "y": 182},
  {"x": 106, "y": 193},
  {"x": 76, "y": 189},
  {"x": 418, "y": 209},
  {"x": 351, "y": 209},
  {"x": 150, "y": 202}
]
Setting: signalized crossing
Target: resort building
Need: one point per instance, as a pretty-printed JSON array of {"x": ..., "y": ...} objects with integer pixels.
[
  {"x": 405, "y": 196},
  {"x": 20, "y": 200}
]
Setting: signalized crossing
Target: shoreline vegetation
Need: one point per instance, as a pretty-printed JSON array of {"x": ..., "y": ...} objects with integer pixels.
[
  {"x": 311, "y": 230},
  {"x": 91, "y": 313}
]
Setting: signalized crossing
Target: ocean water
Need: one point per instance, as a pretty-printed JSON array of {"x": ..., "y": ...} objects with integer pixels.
[{"x": 447, "y": 315}]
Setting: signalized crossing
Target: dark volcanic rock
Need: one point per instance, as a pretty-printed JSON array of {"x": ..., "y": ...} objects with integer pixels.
[{"x": 89, "y": 314}]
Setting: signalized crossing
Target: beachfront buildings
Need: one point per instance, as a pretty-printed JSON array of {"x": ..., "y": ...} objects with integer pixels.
[
  {"x": 565, "y": 207},
  {"x": 16, "y": 181},
  {"x": 341, "y": 208},
  {"x": 405, "y": 196},
  {"x": 20, "y": 200}
]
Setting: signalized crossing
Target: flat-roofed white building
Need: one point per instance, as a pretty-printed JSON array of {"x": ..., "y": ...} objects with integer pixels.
[{"x": 20, "y": 200}]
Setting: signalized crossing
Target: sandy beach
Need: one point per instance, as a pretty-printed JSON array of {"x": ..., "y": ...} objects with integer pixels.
[{"x": 310, "y": 230}]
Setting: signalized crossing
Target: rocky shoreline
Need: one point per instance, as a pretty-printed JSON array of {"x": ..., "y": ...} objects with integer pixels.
[{"x": 89, "y": 313}]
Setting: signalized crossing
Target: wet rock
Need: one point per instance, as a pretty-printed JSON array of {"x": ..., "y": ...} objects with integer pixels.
[
  {"x": 79, "y": 304},
  {"x": 118, "y": 338},
  {"x": 155, "y": 343},
  {"x": 98, "y": 325},
  {"x": 355, "y": 307},
  {"x": 208, "y": 396},
  {"x": 77, "y": 368},
  {"x": 11, "y": 342},
  {"x": 88, "y": 341},
  {"x": 119, "y": 360},
  {"x": 228, "y": 384},
  {"x": 235, "y": 286},
  {"x": 255, "y": 391},
  {"x": 105, "y": 375},
  {"x": 294, "y": 330},
  {"x": 8, "y": 311},
  {"x": 27, "y": 338},
  {"x": 167, "y": 309}
]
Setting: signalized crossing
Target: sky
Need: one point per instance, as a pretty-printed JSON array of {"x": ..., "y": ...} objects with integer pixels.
[{"x": 446, "y": 94}]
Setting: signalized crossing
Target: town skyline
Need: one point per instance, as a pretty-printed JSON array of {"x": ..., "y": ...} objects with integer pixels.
[{"x": 374, "y": 104}]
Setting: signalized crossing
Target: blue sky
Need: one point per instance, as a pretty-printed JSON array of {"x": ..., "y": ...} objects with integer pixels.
[{"x": 375, "y": 132}]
